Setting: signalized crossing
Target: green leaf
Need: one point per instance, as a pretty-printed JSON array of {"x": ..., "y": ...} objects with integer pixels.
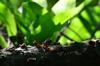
[
  {"x": 85, "y": 25},
  {"x": 31, "y": 13},
  {"x": 64, "y": 16},
  {"x": 3, "y": 43},
  {"x": 8, "y": 19},
  {"x": 42, "y": 3},
  {"x": 21, "y": 25},
  {"x": 47, "y": 27},
  {"x": 15, "y": 3},
  {"x": 97, "y": 34}
]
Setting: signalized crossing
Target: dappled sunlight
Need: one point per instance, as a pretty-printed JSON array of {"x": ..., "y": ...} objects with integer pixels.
[
  {"x": 43, "y": 19},
  {"x": 63, "y": 5},
  {"x": 43, "y": 3}
]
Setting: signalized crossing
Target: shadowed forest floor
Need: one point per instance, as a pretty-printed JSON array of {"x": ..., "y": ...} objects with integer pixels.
[{"x": 77, "y": 54}]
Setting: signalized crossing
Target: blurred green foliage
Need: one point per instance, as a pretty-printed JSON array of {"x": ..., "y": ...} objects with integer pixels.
[{"x": 58, "y": 20}]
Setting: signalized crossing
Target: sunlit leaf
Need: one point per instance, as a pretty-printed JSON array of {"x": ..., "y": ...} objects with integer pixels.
[
  {"x": 42, "y": 3},
  {"x": 97, "y": 34},
  {"x": 8, "y": 20},
  {"x": 84, "y": 26},
  {"x": 70, "y": 13},
  {"x": 77, "y": 30},
  {"x": 3, "y": 43}
]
